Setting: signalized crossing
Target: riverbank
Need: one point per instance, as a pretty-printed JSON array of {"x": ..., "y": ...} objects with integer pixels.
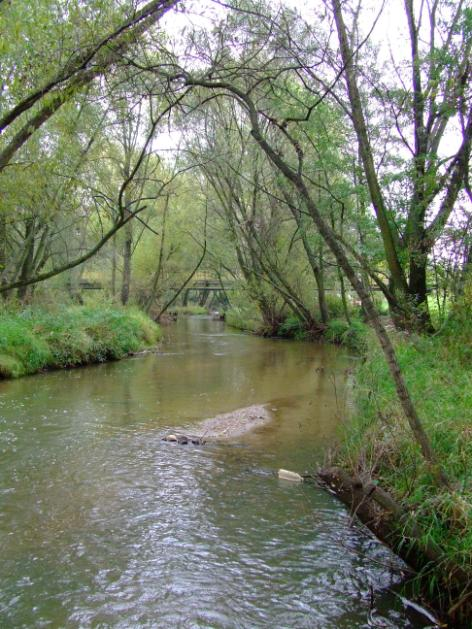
[
  {"x": 430, "y": 524},
  {"x": 377, "y": 469},
  {"x": 89, "y": 487},
  {"x": 338, "y": 331},
  {"x": 36, "y": 339}
]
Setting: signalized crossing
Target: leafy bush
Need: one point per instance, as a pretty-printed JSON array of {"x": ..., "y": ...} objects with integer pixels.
[
  {"x": 294, "y": 328},
  {"x": 352, "y": 336}
]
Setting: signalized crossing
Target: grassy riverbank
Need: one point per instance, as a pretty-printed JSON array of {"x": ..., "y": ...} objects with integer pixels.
[
  {"x": 35, "y": 339},
  {"x": 352, "y": 335},
  {"x": 378, "y": 444}
]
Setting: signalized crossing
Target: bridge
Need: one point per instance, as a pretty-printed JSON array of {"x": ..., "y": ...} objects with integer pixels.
[
  {"x": 206, "y": 286},
  {"x": 85, "y": 285},
  {"x": 201, "y": 288}
]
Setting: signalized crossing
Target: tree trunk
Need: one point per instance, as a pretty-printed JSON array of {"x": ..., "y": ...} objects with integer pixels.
[
  {"x": 28, "y": 257},
  {"x": 343, "y": 296},
  {"x": 113, "y": 267},
  {"x": 157, "y": 274},
  {"x": 3, "y": 250},
  {"x": 417, "y": 288},
  {"x": 127, "y": 253},
  {"x": 317, "y": 268},
  {"x": 365, "y": 151}
]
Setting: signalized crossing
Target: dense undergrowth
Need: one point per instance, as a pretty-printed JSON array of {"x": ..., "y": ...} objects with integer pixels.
[
  {"x": 245, "y": 319},
  {"x": 352, "y": 335},
  {"x": 35, "y": 338},
  {"x": 379, "y": 444}
]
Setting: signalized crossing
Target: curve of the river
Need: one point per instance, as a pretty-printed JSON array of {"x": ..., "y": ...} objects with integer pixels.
[{"x": 102, "y": 524}]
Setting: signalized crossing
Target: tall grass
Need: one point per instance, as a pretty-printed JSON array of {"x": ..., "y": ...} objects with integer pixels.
[
  {"x": 379, "y": 444},
  {"x": 244, "y": 318},
  {"x": 36, "y": 339}
]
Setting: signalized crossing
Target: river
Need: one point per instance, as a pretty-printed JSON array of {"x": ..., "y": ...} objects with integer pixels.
[{"x": 102, "y": 524}]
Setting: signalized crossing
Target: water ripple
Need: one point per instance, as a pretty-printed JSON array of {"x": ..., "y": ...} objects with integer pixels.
[{"x": 104, "y": 525}]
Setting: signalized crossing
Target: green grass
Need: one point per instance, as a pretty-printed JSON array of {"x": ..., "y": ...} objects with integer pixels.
[
  {"x": 36, "y": 339},
  {"x": 352, "y": 336},
  {"x": 378, "y": 443},
  {"x": 244, "y": 318},
  {"x": 293, "y": 328}
]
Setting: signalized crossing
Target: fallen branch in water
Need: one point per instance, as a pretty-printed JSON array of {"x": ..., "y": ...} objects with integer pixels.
[{"x": 391, "y": 523}]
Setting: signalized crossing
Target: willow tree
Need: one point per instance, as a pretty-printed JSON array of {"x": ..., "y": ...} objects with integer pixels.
[
  {"x": 425, "y": 101},
  {"x": 254, "y": 87},
  {"x": 51, "y": 60},
  {"x": 259, "y": 226}
]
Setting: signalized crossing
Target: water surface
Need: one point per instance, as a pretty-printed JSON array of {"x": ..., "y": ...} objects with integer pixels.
[{"x": 104, "y": 525}]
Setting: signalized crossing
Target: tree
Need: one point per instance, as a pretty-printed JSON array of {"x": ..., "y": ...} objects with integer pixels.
[
  {"x": 67, "y": 85},
  {"x": 438, "y": 99},
  {"x": 78, "y": 71},
  {"x": 253, "y": 91}
]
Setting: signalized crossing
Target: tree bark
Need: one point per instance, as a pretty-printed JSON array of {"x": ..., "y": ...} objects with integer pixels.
[
  {"x": 127, "y": 253},
  {"x": 28, "y": 257},
  {"x": 157, "y": 274}
]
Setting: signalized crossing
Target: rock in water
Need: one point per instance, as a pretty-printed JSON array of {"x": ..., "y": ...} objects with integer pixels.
[
  {"x": 197, "y": 441},
  {"x": 291, "y": 476},
  {"x": 169, "y": 438}
]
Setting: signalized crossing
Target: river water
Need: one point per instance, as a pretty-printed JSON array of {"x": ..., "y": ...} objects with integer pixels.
[{"x": 104, "y": 525}]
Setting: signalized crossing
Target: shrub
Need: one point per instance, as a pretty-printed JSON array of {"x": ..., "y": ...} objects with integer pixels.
[
  {"x": 352, "y": 336},
  {"x": 294, "y": 328},
  {"x": 243, "y": 319}
]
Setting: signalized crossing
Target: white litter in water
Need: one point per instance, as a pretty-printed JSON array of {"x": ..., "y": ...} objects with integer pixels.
[
  {"x": 420, "y": 610},
  {"x": 292, "y": 476}
]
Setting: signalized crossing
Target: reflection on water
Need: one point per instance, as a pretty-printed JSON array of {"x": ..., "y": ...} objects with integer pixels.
[{"x": 102, "y": 524}]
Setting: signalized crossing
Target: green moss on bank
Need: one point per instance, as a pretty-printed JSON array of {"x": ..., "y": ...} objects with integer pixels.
[
  {"x": 378, "y": 442},
  {"x": 36, "y": 339}
]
